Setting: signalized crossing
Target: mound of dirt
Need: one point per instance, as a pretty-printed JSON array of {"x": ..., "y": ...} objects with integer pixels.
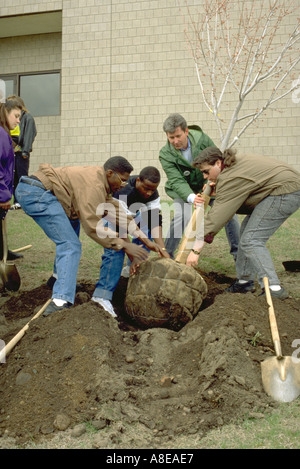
[{"x": 82, "y": 365}]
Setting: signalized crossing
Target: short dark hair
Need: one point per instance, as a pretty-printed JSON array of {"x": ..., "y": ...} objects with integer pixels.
[
  {"x": 150, "y": 173},
  {"x": 119, "y": 164},
  {"x": 173, "y": 121}
]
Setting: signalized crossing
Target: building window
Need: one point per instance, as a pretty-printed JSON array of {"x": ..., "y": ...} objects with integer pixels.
[
  {"x": 40, "y": 92},
  {"x": 8, "y": 85}
]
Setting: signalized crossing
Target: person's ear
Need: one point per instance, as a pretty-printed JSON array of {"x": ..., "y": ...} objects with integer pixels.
[{"x": 109, "y": 173}]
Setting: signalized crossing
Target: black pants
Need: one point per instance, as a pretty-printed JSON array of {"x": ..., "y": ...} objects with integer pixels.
[{"x": 21, "y": 169}]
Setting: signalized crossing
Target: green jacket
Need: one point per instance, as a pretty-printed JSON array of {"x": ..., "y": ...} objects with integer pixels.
[{"x": 183, "y": 179}]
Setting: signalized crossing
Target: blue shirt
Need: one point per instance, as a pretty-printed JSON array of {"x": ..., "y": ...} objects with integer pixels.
[{"x": 187, "y": 154}]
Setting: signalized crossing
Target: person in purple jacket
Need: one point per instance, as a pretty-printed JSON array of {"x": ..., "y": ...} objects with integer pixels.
[{"x": 10, "y": 113}]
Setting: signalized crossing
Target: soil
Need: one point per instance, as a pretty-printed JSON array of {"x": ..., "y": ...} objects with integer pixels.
[{"x": 136, "y": 388}]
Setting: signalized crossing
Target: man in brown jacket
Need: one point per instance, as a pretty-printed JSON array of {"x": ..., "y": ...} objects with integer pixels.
[
  {"x": 57, "y": 197},
  {"x": 267, "y": 191}
]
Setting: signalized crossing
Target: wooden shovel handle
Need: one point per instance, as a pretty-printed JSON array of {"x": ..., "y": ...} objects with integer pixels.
[
  {"x": 272, "y": 319},
  {"x": 191, "y": 227},
  {"x": 4, "y": 237},
  {"x": 6, "y": 350},
  {"x": 23, "y": 248}
]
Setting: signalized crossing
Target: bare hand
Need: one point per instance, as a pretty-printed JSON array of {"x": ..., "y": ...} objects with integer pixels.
[
  {"x": 134, "y": 266},
  {"x": 198, "y": 200},
  {"x": 154, "y": 247},
  {"x": 133, "y": 250},
  {"x": 213, "y": 188},
  {"x": 165, "y": 253},
  {"x": 192, "y": 259},
  {"x": 5, "y": 205}
]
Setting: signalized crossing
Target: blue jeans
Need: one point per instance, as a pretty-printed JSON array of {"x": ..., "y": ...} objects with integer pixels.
[
  {"x": 253, "y": 257},
  {"x": 111, "y": 268},
  {"x": 76, "y": 227},
  {"x": 48, "y": 213},
  {"x": 182, "y": 215}
]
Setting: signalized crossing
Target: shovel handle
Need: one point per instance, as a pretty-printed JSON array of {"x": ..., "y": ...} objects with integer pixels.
[
  {"x": 4, "y": 236},
  {"x": 183, "y": 252},
  {"x": 23, "y": 248},
  {"x": 272, "y": 319},
  {"x": 5, "y": 351}
]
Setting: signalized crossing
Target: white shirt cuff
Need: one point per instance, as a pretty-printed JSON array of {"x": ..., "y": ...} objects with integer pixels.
[{"x": 191, "y": 198}]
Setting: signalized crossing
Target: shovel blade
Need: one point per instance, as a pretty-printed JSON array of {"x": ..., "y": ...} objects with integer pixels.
[
  {"x": 10, "y": 276},
  {"x": 281, "y": 378}
]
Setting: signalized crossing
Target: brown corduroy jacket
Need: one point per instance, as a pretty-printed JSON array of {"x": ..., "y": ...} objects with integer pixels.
[
  {"x": 84, "y": 193},
  {"x": 241, "y": 187}
]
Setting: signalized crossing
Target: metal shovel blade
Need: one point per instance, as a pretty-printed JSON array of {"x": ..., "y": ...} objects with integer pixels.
[
  {"x": 280, "y": 375},
  {"x": 8, "y": 272},
  {"x": 281, "y": 378},
  {"x": 10, "y": 276}
]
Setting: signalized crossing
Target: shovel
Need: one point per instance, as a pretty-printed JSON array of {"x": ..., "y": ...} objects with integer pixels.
[
  {"x": 194, "y": 223},
  {"x": 8, "y": 271},
  {"x": 280, "y": 375}
]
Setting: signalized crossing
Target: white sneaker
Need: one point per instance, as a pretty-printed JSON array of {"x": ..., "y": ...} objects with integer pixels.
[
  {"x": 125, "y": 271},
  {"x": 15, "y": 206},
  {"x": 106, "y": 304}
]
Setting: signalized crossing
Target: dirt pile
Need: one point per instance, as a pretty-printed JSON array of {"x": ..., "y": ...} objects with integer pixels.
[{"x": 138, "y": 388}]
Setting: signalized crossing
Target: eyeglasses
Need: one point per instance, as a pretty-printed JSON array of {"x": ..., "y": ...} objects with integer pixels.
[
  {"x": 205, "y": 171},
  {"x": 123, "y": 183}
]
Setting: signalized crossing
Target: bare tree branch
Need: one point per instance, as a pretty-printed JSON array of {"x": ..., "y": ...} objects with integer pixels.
[{"x": 238, "y": 56}]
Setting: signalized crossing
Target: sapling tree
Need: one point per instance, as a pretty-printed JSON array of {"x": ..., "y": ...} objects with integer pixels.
[{"x": 246, "y": 55}]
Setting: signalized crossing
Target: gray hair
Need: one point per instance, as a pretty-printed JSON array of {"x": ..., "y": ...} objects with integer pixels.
[{"x": 174, "y": 121}]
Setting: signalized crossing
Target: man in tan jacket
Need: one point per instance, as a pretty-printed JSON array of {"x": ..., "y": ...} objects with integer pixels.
[
  {"x": 267, "y": 191},
  {"x": 56, "y": 198}
]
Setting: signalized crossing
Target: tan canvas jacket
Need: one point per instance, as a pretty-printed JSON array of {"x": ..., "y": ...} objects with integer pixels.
[
  {"x": 84, "y": 193},
  {"x": 242, "y": 186}
]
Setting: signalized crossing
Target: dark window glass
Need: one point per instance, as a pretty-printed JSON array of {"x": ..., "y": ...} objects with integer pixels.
[
  {"x": 41, "y": 93},
  {"x": 8, "y": 86}
]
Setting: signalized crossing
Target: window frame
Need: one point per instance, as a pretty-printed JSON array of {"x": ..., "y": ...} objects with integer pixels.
[{"x": 16, "y": 77}]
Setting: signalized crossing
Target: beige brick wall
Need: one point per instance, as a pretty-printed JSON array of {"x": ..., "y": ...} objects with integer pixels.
[
  {"x": 38, "y": 53},
  {"x": 125, "y": 68}
]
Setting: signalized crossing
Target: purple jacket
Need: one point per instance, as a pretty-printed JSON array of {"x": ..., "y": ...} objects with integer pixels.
[{"x": 7, "y": 163}]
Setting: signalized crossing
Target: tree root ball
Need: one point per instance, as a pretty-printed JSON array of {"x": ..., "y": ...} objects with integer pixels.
[{"x": 164, "y": 293}]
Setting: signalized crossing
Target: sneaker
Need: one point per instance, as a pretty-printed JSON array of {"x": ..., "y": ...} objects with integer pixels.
[
  {"x": 237, "y": 287},
  {"x": 282, "y": 294},
  {"x": 106, "y": 304},
  {"x": 52, "y": 308},
  {"x": 15, "y": 206},
  {"x": 125, "y": 271},
  {"x": 11, "y": 256}
]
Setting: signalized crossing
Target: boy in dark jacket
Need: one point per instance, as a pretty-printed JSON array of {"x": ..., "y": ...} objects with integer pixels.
[{"x": 141, "y": 200}]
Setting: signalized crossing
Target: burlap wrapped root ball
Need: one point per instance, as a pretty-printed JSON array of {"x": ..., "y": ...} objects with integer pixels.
[{"x": 164, "y": 293}]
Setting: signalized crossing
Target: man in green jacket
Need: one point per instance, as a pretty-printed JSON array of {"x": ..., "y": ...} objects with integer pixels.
[{"x": 185, "y": 181}]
